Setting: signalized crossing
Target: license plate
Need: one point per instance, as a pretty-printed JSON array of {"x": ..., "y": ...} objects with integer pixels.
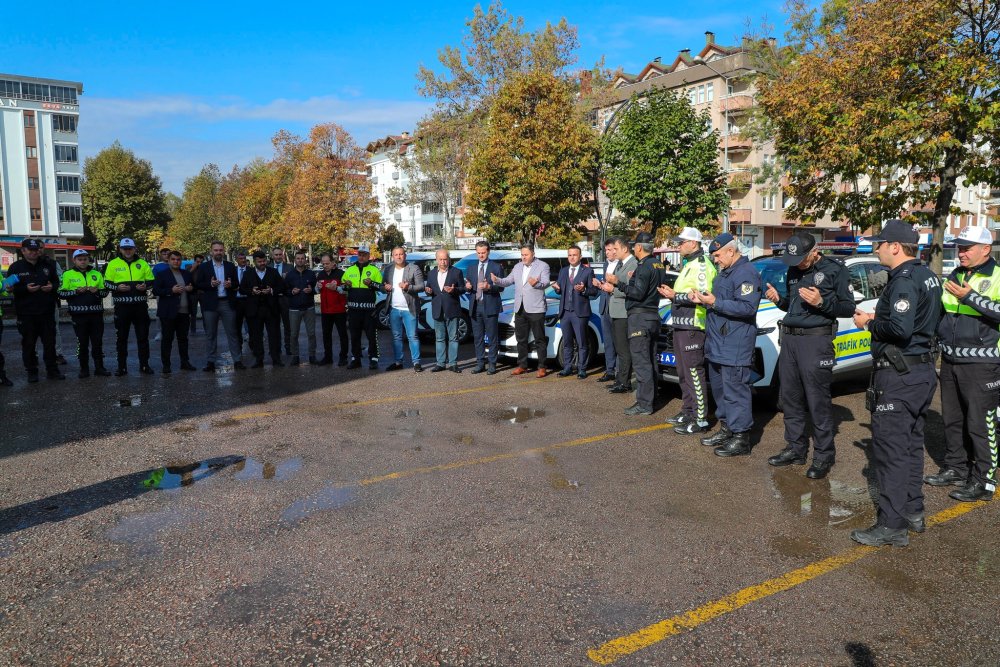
[{"x": 668, "y": 359}]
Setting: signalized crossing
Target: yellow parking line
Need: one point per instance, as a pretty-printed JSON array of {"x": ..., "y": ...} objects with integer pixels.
[{"x": 611, "y": 651}]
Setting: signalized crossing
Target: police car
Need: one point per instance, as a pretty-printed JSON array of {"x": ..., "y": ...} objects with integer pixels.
[
  {"x": 852, "y": 345},
  {"x": 426, "y": 260}
]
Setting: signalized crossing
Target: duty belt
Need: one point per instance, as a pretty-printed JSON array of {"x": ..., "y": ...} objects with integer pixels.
[
  {"x": 828, "y": 330},
  {"x": 925, "y": 358}
]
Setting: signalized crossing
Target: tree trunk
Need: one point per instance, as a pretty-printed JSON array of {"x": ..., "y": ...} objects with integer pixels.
[{"x": 948, "y": 176}]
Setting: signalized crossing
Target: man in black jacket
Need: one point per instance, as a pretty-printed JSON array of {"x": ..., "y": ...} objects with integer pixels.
[
  {"x": 174, "y": 290},
  {"x": 35, "y": 302},
  {"x": 262, "y": 286},
  {"x": 217, "y": 283},
  {"x": 300, "y": 285}
]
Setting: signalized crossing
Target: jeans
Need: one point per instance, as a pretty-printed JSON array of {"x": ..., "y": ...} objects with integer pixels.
[
  {"x": 295, "y": 318},
  {"x": 446, "y": 341},
  {"x": 400, "y": 320},
  {"x": 210, "y": 322}
]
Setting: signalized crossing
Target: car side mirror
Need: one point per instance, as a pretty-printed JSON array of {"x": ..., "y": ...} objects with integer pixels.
[{"x": 858, "y": 296}]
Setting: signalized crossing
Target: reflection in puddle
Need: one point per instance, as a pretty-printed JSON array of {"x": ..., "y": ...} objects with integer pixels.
[
  {"x": 176, "y": 476},
  {"x": 139, "y": 530},
  {"x": 826, "y": 501},
  {"x": 560, "y": 482},
  {"x": 402, "y": 414},
  {"x": 131, "y": 402},
  {"x": 253, "y": 469},
  {"x": 330, "y": 498},
  {"x": 519, "y": 415}
]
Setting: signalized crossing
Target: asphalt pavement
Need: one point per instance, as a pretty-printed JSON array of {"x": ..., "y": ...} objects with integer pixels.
[{"x": 319, "y": 515}]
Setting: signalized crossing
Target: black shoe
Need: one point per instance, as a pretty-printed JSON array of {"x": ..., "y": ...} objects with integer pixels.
[
  {"x": 276, "y": 363},
  {"x": 438, "y": 369},
  {"x": 680, "y": 418},
  {"x": 313, "y": 362},
  {"x": 288, "y": 349},
  {"x": 394, "y": 366},
  {"x": 880, "y": 536},
  {"x": 354, "y": 364},
  {"x": 819, "y": 470},
  {"x": 582, "y": 375},
  {"x": 84, "y": 372},
  {"x": 917, "y": 524},
  {"x": 478, "y": 369},
  {"x": 373, "y": 364},
  {"x": 102, "y": 371},
  {"x": 720, "y": 437},
  {"x": 417, "y": 368},
  {"x": 238, "y": 366},
  {"x": 33, "y": 376},
  {"x": 188, "y": 366},
  {"x": 165, "y": 370},
  {"x": 5, "y": 381},
  {"x": 565, "y": 373},
  {"x": 54, "y": 374},
  {"x": 258, "y": 364},
  {"x": 456, "y": 369},
  {"x": 637, "y": 409},
  {"x": 737, "y": 445},
  {"x": 209, "y": 367},
  {"x": 146, "y": 370},
  {"x": 61, "y": 360},
  {"x": 492, "y": 370},
  {"x": 690, "y": 428},
  {"x": 787, "y": 457},
  {"x": 620, "y": 389},
  {"x": 120, "y": 372},
  {"x": 946, "y": 477},
  {"x": 342, "y": 362},
  {"x": 325, "y": 361},
  {"x": 972, "y": 492},
  {"x": 607, "y": 377},
  {"x": 294, "y": 361}
]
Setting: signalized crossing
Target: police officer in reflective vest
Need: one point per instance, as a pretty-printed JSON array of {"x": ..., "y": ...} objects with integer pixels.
[
  {"x": 688, "y": 320},
  {"x": 969, "y": 337},
  {"x": 730, "y": 333},
  {"x": 642, "y": 303},
  {"x": 360, "y": 281},
  {"x": 903, "y": 381},
  {"x": 129, "y": 278},
  {"x": 818, "y": 293},
  {"x": 83, "y": 290}
]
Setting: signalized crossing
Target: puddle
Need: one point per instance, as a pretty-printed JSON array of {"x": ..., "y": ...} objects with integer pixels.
[
  {"x": 131, "y": 402},
  {"x": 827, "y": 501},
  {"x": 330, "y": 498},
  {"x": 139, "y": 530},
  {"x": 466, "y": 440},
  {"x": 560, "y": 482},
  {"x": 254, "y": 469},
  {"x": 187, "y": 474},
  {"x": 549, "y": 459},
  {"x": 226, "y": 423},
  {"x": 402, "y": 414},
  {"x": 184, "y": 428},
  {"x": 519, "y": 415}
]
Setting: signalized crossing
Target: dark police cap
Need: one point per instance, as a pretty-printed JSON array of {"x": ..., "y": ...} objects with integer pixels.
[
  {"x": 31, "y": 244},
  {"x": 259, "y": 254},
  {"x": 797, "y": 247},
  {"x": 643, "y": 237},
  {"x": 895, "y": 231},
  {"x": 721, "y": 241}
]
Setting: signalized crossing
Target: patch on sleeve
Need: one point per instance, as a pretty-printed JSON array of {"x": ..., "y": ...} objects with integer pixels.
[
  {"x": 983, "y": 286},
  {"x": 746, "y": 288},
  {"x": 902, "y": 305},
  {"x": 820, "y": 276}
]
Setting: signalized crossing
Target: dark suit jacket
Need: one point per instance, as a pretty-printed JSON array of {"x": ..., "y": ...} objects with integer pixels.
[
  {"x": 491, "y": 296},
  {"x": 208, "y": 295},
  {"x": 168, "y": 303},
  {"x": 568, "y": 296},
  {"x": 262, "y": 305},
  {"x": 444, "y": 305}
]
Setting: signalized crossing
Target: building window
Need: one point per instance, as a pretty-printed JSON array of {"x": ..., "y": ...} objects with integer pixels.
[
  {"x": 36, "y": 214},
  {"x": 63, "y": 123},
  {"x": 32, "y": 152},
  {"x": 431, "y": 207},
  {"x": 32, "y": 183},
  {"x": 68, "y": 183},
  {"x": 710, "y": 91},
  {"x": 769, "y": 201},
  {"x": 692, "y": 95},
  {"x": 70, "y": 214},
  {"x": 65, "y": 153},
  {"x": 701, "y": 94},
  {"x": 29, "y": 120}
]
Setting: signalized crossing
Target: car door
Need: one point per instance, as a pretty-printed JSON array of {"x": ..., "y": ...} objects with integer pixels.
[{"x": 853, "y": 345}]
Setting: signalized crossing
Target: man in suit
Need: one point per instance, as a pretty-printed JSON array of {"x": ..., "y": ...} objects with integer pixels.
[
  {"x": 403, "y": 283},
  {"x": 281, "y": 265},
  {"x": 445, "y": 285},
  {"x": 174, "y": 290},
  {"x": 530, "y": 278},
  {"x": 262, "y": 285},
  {"x": 603, "y": 303},
  {"x": 485, "y": 308},
  {"x": 576, "y": 289},
  {"x": 240, "y": 321},
  {"x": 217, "y": 282},
  {"x": 615, "y": 288}
]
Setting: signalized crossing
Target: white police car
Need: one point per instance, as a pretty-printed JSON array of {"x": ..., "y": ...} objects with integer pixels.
[
  {"x": 426, "y": 260},
  {"x": 852, "y": 345}
]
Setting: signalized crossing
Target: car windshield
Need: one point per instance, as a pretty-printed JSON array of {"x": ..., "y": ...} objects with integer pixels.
[{"x": 773, "y": 271}]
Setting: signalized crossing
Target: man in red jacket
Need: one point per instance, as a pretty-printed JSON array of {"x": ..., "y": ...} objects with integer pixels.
[{"x": 333, "y": 309}]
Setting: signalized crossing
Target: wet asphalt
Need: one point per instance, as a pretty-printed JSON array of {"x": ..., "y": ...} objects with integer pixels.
[{"x": 316, "y": 515}]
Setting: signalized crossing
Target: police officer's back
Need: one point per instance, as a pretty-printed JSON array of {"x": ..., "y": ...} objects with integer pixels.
[{"x": 642, "y": 303}]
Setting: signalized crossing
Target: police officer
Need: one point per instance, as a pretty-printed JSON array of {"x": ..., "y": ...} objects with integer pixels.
[
  {"x": 688, "y": 318},
  {"x": 730, "y": 332},
  {"x": 35, "y": 296},
  {"x": 642, "y": 303},
  {"x": 83, "y": 290},
  {"x": 902, "y": 329},
  {"x": 818, "y": 293},
  {"x": 129, "y": 278},
  {"x": 969, "y": 337},
  {"x": 361, "y": 282}
]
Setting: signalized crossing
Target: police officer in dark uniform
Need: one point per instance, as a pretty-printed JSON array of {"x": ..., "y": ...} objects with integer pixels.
[
  {"x": 903, "y": 382},
  {"x": 642, "y": 303},
  {"x": 35, "y": 296},
  {"x": 818, "y": 293},
  {"x": 730, "y": 333}
]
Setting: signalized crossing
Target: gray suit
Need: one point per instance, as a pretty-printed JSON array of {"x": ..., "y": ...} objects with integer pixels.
[
  {"x": 411, "y": 274},
  {"x": 404, "y": 323},
  {"x": 603, "y": 305},
  {"x": 529, "y": 309},
  {"x": 619, "y": 322}
]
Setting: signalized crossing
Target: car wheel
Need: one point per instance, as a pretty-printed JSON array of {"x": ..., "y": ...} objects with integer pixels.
[
  {"x": 382, "y": 315},
  {"x": 591, "y": 352},
  {"x": 464, "y": 328}
]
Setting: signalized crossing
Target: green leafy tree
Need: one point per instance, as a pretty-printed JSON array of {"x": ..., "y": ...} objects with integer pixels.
[
  {"x": 661, "y": 164},
  {"x": 196, "y": 223},
  {"x": 121, "y": 197},
  {"x": 533, "y": 168},
  {"x": 391, "y": 238}
]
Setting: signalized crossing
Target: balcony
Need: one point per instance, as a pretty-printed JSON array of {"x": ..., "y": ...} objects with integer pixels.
[
  {"x": 739, "y": 179},
  {"x": 740, "y": 215},
  {"x": 736, "y": 102},
  {"x": 735, "y": 144}
]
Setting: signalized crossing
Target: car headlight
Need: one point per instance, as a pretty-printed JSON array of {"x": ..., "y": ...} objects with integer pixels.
[{"x": 763, "y": 331}]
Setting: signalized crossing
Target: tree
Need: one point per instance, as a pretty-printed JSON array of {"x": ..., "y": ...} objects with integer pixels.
[
  {"x": 880, "y": 106},
  {"x": 121, "y": 197},
  {"x": 196, "y": 223},
  {"x": 533, "y": 168},
  {"x": 391, "y": 238},
  {"x": 661, "y": 164},
  {"x": 261, "y": 203}
]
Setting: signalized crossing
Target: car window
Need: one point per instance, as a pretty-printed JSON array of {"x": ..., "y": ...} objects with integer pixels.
[
  {"x": 859, "y": 279},
  {"x": 772, "y": 271},
  {"x": 878, "y": 277}
]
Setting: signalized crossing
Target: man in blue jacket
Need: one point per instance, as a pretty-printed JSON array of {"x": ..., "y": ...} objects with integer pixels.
[
  {"x": 575, "y": 289},
  {"x": 730, "y": 333},
  {"x": 217, "y": 282},
  {"x": 445, "y": 284},
  {"x": 300, "y": 286},
  {"x": 484, "y": 301},
  {"x": 174, "y": 289}
]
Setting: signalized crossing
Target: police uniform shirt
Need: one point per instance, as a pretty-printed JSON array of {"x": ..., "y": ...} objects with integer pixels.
[
  {"x": 731, "y": 327},
  {"x": 641, "y": 293},
  {"x": 41, "y": 272},
  {"x": 830, "y": 278},
  {"x": 908, "y": 311}
]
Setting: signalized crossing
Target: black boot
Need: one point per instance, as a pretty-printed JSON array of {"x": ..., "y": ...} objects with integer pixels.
[
  {"x": 100, "y": 370},
  {"x": 720, "y": 437},
  {"x": 84, "y": 370},
  {"x": 737, "y": 445},
  {"x": 5, "y": 381}
]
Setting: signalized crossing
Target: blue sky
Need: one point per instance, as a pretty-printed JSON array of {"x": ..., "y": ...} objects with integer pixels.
[{"x": 185, "y": 83}]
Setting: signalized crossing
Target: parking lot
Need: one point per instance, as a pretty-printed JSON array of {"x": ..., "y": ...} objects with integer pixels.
[{"x": 316, "y": 515}]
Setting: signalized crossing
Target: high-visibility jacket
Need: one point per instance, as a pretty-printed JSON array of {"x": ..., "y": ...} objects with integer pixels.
[
  {"x": 698, "y": 274},
  {"x": 133, "y": 273},
  {"x": 86, "y": 302},
  {"x": 358, "y": 294},
  {"x": 969, "y": 331}
]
